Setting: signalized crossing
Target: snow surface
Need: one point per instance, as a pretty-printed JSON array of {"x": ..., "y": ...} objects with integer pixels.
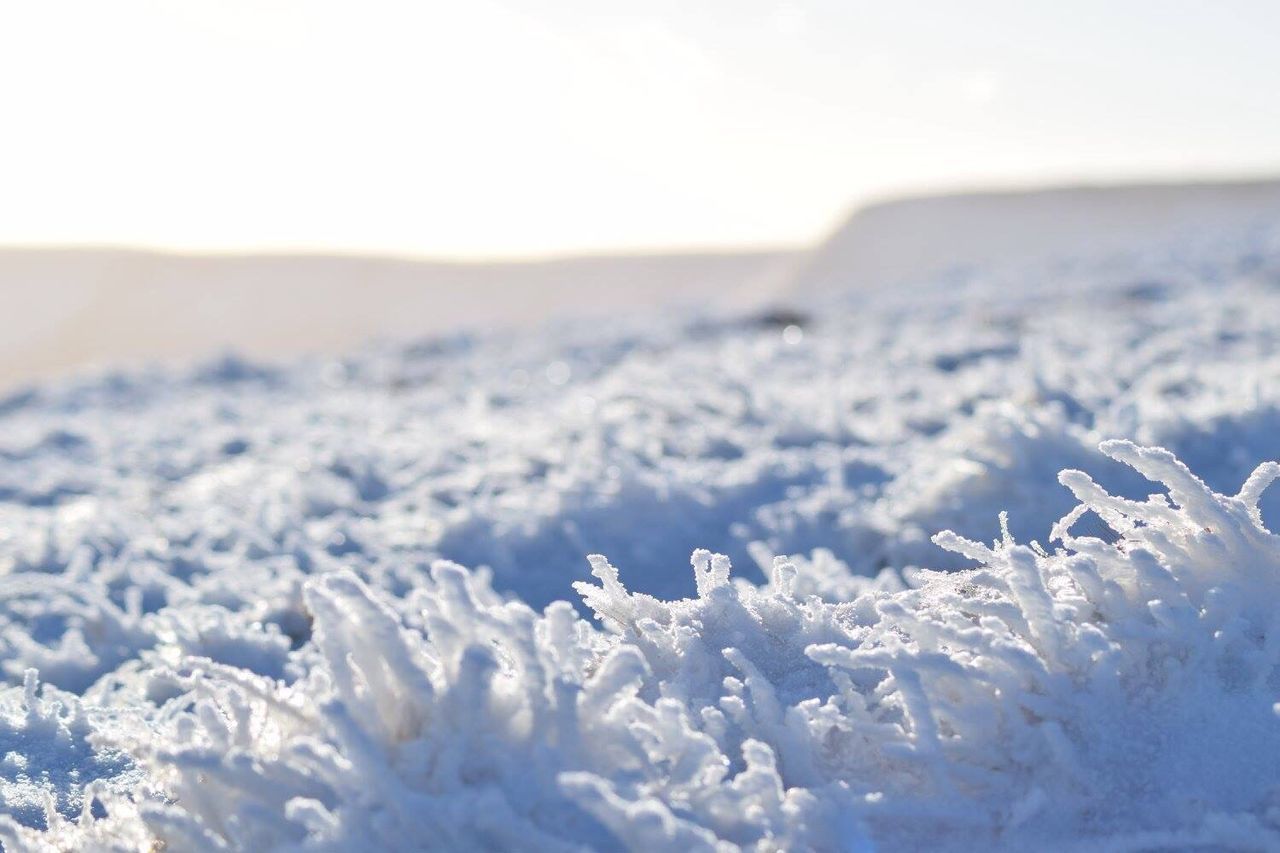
[{"x": 242, "y": 586}]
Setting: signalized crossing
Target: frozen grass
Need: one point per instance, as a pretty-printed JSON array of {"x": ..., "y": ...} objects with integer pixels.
[{"x": 243, "y": 589}]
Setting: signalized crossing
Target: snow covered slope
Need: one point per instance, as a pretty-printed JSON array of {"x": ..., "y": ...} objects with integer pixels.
[
  {"x": 912, "y": 239},
  {"x": 347, "y": 603}
]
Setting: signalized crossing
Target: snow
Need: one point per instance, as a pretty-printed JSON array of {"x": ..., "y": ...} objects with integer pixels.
[
  {"x": 901, "y": 240},
  {"x": 716, "y": 584}
]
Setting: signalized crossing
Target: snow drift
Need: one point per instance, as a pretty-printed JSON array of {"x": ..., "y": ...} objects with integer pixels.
[{"x": 330, "y": 605}]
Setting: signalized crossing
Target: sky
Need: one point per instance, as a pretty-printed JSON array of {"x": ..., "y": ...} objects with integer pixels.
[{"x": 512, "y": 128}]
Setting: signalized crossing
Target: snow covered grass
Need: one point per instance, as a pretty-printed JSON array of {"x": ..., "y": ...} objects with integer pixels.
[{"x": 243, "y": 587}]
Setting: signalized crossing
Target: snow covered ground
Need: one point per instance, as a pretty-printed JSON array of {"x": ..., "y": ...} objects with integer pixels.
[{"x": 347, "y": 603}]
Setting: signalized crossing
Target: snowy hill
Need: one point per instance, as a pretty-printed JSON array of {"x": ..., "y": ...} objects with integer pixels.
[
  {"x": 79, "y": 307},
  {"x": 912, "y": 239},
  {"x": 76, "y": 307}
]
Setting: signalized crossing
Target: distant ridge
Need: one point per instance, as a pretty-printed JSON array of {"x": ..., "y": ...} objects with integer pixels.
[
  {"x": 898, "y": 241},
  {"x": 84, "y": 306},
  {"x": 73, "y": 307}
]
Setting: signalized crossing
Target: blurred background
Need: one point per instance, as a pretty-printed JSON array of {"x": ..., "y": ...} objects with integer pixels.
[{"x": 182, "y": 177}]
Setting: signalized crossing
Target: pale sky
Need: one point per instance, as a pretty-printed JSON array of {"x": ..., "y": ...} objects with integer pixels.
[{"x": 485, "y": 128}]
